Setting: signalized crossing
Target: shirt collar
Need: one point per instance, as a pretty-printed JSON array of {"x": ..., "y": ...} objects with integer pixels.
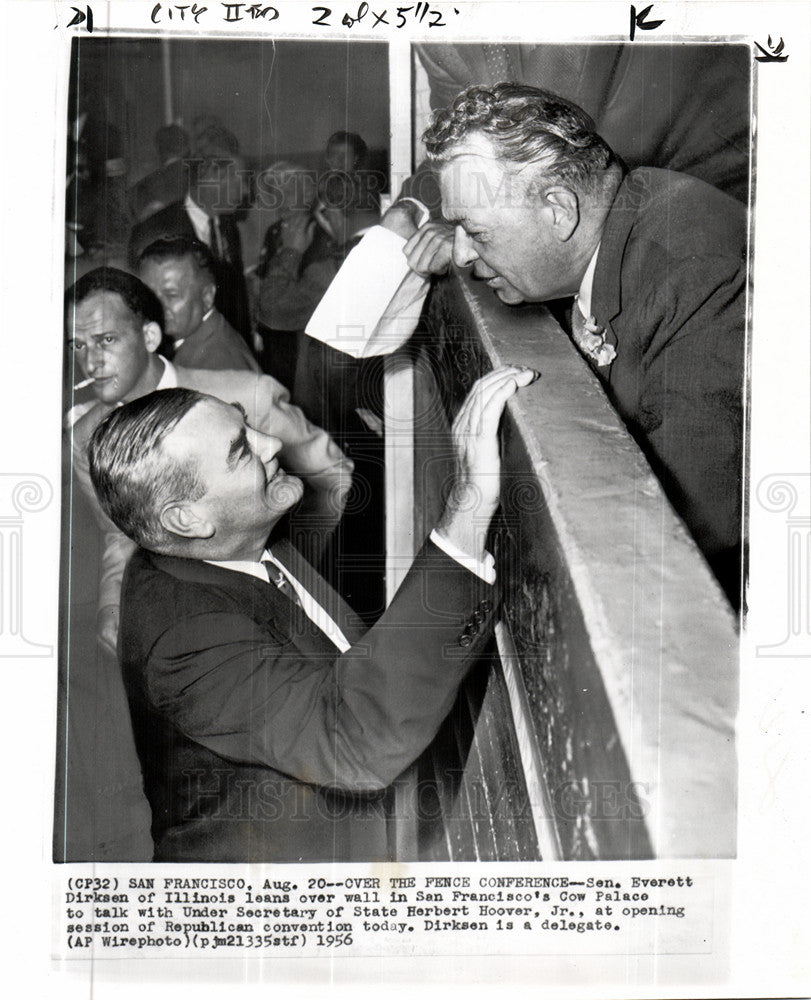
[
  {"x": 583, "y": 297},
  {"x": 247, "y": 565},
  {"x": 182, "y": 340},
  {"x": 198, "y": 218},
  {"x": 168, "y": 379}
]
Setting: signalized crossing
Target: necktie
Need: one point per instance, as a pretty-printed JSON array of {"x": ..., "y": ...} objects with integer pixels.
[
  {"x": 312, "y": 612},
  {"x": 280, "y": 581},
  {"x": 590, "y": 338},
  {"x": 215, "y": 238}
]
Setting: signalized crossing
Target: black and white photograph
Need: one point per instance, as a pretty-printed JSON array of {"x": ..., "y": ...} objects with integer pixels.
[
  {"x": 426, "y": 483},
  {"x": 537, "y": 686}
]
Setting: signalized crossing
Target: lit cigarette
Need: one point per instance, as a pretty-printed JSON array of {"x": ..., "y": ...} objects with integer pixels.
[{"x": 84, "y": 384}]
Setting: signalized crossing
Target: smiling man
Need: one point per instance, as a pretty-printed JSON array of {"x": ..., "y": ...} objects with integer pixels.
[
  {"x": 541, "y": 209},
  {"x": 267, "y": 724},
  {"x": 114, "y": 328}
]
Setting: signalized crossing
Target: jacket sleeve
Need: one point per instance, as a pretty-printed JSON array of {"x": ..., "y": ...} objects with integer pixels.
[
  {"x": 353, "y": 721},
  {"x": 691, "y": 399},
  {"x": 308, "y": 452},
  {"x": 289, "y": 294},
  {"x": 116, "y": 547}
]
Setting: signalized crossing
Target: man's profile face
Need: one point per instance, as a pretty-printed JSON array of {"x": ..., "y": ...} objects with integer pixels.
[
  {"x": 247, "y": 491},
  {"x": 185, "y": 292},
  {"x": 501, "y": 229},
  {"x": 112, "y": 346}
]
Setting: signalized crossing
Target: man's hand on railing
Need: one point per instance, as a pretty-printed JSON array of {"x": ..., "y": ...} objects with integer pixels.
[{"x": 475, "y": 495}]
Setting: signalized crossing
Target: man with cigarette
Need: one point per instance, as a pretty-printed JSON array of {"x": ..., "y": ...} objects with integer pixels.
[
  {"x": 267, "y": 725},
  {"x": 114, "y": 327},
  {"x": 542, "y": 209}
]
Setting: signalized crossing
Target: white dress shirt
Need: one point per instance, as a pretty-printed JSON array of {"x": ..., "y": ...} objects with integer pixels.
[
  {"x": 169, "y": 378},
  {"x": 485, "y": 569},
  {"x": 199, "y": 220},
  {"x": 583, "y": 297}
]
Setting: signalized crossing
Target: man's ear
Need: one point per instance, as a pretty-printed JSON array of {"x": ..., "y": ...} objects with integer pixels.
[
  {"x": 182, "y": 519},
  {"x": 152, "y": 336},
  {"x": 209, "y": 294},
  {"x": 565, "y": 208}
]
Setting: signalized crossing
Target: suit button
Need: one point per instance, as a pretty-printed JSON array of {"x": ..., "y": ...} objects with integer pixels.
[
  {"x": 471, "y": 629},
  {"x": 465, "y": 640},
  {"x": 485, "y": 606},
  {"x": 478, "y": 617}
]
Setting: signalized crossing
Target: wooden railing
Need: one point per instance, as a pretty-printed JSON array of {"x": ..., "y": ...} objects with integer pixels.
[{"x": 603, "y": 724}]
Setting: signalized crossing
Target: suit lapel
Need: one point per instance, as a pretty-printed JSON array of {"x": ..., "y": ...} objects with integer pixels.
[
  {"x": 266, "y": 604},
  {"x": 606, "y": 295}
]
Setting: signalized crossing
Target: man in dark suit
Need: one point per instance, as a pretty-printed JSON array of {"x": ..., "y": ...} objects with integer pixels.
[
  {"x": 543, "y": 209},
  {"x": 268, "y": 728},
  {"x": 114, "y": 327},
  {"x": 217, "y": 191}
]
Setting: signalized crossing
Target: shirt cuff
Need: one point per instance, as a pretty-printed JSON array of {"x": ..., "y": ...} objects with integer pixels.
[
  {"x": 425, "y": 215},
  {"x": 485, "y": 569}
]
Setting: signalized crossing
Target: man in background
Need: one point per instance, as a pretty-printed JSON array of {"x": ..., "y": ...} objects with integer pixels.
[
  {"x": 180, "y": 272},
  {"x": 218, "y": 190},
  {"x": 170, "y": 182}
]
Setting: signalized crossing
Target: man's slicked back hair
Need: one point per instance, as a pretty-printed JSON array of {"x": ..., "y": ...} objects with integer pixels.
[
  {"x": 132, "y": 478},
  {"x": 137, "y": 297},
  {"x": 526, "y": 125},
  {"x": 178, "y": 247}
]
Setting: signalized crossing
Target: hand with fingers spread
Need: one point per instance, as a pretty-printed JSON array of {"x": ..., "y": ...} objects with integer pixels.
[
  {"x": 475, "y": 495},
  {"x": 429, "y": 249}
]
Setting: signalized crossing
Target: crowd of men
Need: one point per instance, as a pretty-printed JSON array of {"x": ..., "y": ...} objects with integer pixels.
[{"x": 218, "y": 497}]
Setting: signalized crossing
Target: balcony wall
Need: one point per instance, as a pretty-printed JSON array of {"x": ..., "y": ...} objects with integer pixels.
[{"x": 605, "y": 727}]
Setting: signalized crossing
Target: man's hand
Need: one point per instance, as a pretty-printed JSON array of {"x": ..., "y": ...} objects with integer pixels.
[
  {"x": 402, "y": 218},
  {"x": 107, "y": 628},
  {"x": 429, "y": 249},
  {"x": 298, "y": 230},
  {"x": 475, "y": 495}
]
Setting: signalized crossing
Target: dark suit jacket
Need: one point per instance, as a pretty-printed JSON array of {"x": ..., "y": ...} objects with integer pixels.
[
  {"x": 215, "y": 345},
  {"x": 260, "y": 742},
  {"x": 232, "y": 292},
  {"x": 670, "y": 289}
]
